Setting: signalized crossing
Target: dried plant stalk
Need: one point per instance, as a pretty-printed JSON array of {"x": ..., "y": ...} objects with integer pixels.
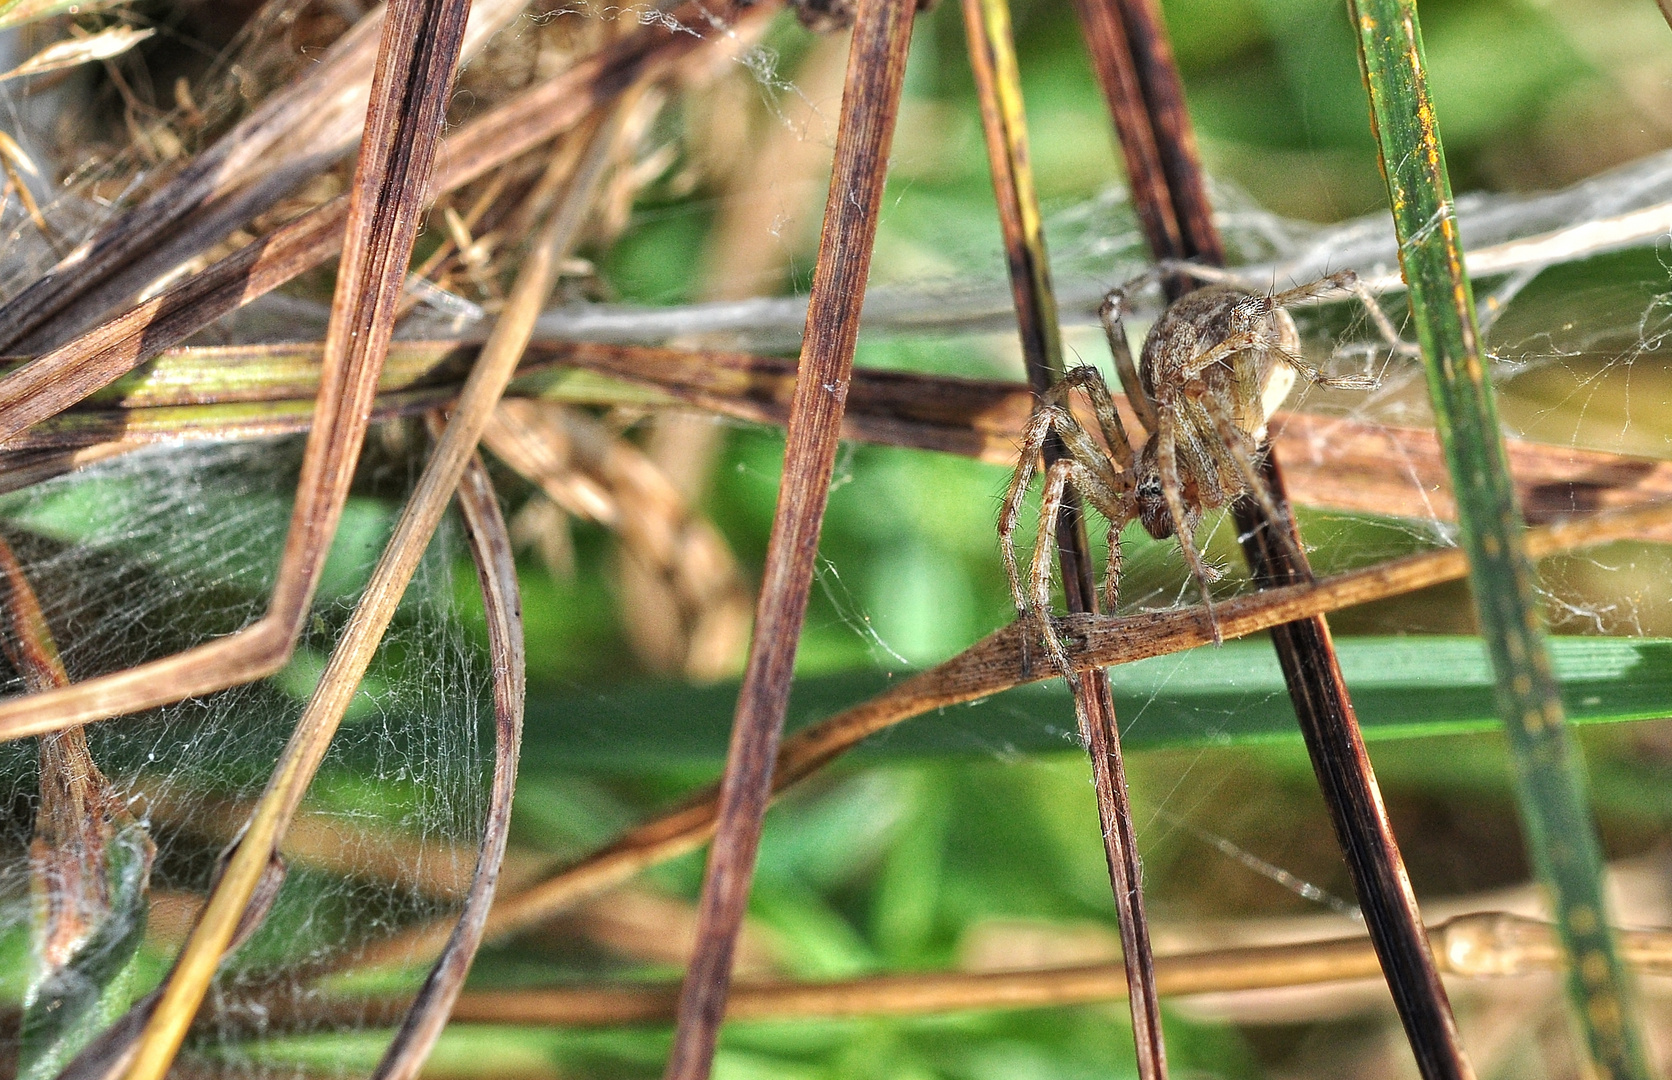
[
  {"x": 988, "y": 667},
  {"x": 870, "y": 101},
  {"x": 1134, "y": 56},
  {"x": 1481, "y": 945},
  {"x": 496, "y": 571},
  {"x": 998, "y": 85},
  {"x": 1336, "y": 463}
]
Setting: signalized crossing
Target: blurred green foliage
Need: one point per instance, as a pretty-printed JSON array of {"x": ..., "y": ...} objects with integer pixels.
[{"x": 921, "y": 856}]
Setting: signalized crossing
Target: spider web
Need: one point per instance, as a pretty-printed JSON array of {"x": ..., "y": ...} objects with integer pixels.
[{"x": 171, "y": 547}]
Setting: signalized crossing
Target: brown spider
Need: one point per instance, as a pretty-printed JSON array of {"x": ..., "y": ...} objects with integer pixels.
[{"x": 1215, "y": 365}]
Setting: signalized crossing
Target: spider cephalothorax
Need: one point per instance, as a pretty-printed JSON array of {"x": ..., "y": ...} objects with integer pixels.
[{"x": 1214, "y": 367}]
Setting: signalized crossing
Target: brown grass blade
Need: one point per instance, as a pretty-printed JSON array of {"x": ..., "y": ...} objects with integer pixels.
[
  {"x": 1305, "y": 650},
  {"x": 416, "y": 60},
  {"x": 992, "y": 665},
  {"x": 870, "y": 102},
  {"x": 496, "y": 570},
  {"x": 1003, "y": 118}
]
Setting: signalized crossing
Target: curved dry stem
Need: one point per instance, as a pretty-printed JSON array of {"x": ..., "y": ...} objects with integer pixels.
[
  {"x": 341, "y": 678},
  {"x": 496, "y": 570},
  {"x": 1479, "y": 945}
]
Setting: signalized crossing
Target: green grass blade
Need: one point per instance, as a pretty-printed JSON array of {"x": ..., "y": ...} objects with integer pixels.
[
  {"x": 1404, "y": 688},
  {"x": 1560, "y": 832}
]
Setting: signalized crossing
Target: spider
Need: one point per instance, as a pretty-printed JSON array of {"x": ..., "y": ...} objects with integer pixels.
[{"x": 1214, "y": 367}]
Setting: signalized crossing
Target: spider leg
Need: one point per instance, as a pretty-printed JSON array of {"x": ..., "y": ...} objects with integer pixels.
[
  {"x": 1033, "y": 441},
  {"x": 1172, "y": 490},
  {"x": 1111, "y": 570},
  {"x": 1318, "y": 377},
  {"x": 1335, "y": 284},
  {"x": 1246, "y": 339},
  {"x": 1091, "y": 381},
  {"x": 1243, "y": 454},
  {"x": 1093, "y": 457},
  {"x": 1117, "y": 507},
  {"x": 1114, "y": 505},
  {"x": 1039, "y": 572},
  {"x": 1115, "y": 330},
  {"x": 1346, "y": 281}
]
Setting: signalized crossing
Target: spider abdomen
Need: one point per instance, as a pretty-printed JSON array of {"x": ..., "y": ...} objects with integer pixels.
[{"x": 1254, "y": 381}]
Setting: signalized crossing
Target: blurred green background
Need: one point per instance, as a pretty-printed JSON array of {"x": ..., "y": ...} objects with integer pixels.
[{"x": 986, "y": 851}]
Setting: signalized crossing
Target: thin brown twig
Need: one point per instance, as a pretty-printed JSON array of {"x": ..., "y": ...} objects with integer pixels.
[
  {"x": 870, "y": 103},
  {"x": 1003, "y": 118},
  {"x": 988, "y": 667},
  {"x": 1481, "y": 945}
]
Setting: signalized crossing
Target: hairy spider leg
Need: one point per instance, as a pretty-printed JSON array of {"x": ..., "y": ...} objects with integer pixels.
[
  {"x": 1166, "y": 461},
  {"x": 1239, "y": 445},
  {"x": 1113, "y": 505},
  {"x": 1103, "y": 487},
  {"x": 1091, "y": 469},
  {"x": 1245, "y": 339},
  {"x": 1033, "y": 441},
  {"x": 1109, "y": 422},
  {"x": 1120, "y": 448},
  {"x": 1111, "y": 314}
]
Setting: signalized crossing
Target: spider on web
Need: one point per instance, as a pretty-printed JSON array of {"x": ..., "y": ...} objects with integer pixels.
[{"x": 1214, "y": 367}]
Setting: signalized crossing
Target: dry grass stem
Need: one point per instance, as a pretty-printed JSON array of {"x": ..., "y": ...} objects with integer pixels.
[
  {"x": 1134, "y": 59},
  {"x": 870, "y": 102},
  {"x": 74, "y": 52},
  {"x": 1483, "y": 945},
  {"x": 1335, "y": 463},
  {"x": 1004, "y": 123},
  {"x": 988, "y": 667}
]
